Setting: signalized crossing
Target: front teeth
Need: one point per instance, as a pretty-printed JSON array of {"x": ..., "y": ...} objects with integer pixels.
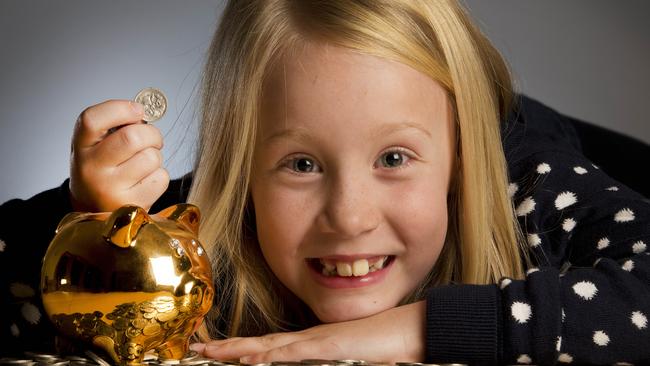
[
  {"x": 344, "y": 269},
  {"x": 360, "y": 267}
]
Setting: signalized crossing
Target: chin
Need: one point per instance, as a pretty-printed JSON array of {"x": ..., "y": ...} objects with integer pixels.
[{"x": 345, "y": 311}]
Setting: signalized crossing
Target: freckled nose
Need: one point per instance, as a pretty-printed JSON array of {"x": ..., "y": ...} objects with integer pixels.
[{"x": 350, "y": 209}]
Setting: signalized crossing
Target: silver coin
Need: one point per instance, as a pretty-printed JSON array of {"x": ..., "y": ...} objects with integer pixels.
[
  {"x": 154, "y": 102},
  {"x": 40, "y": 355},
  {"x": 169, "y": 361},
  {"x": 77, "y": 358},
  {"x": 318, "y": 362},
  {"x": 13, "y": 361},
  {"x": 97, "y": 359},
  {"x": 195, "y": 362}
]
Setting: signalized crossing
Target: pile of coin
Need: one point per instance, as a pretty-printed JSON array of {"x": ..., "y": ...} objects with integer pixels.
[{"x": 190, "y": 359}]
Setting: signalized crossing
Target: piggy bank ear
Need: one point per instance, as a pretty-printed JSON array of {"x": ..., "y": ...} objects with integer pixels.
[
  {"x": 123, "y": 225},
  {"x": 183, "y": 213},
  {"x": 71, "y": 218}
]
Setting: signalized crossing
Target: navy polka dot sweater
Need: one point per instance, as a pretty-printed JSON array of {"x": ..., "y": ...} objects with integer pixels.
[{"x": 586, "y": 300}]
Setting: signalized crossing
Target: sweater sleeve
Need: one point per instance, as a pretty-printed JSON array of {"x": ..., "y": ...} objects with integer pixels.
[
  {"x": 586, "y": 297},
  {"x": 26, "y": 229}
]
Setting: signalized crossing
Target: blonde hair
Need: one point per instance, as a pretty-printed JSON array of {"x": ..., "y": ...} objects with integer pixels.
[{"x": 437, "y": 38}]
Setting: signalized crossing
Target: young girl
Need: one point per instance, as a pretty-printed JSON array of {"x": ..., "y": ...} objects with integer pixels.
[{"x": 371, "y": 188}]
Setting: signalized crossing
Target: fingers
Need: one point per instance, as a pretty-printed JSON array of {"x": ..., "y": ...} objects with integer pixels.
[
  {"x": 110, "y": 169},
  {"x": 235, "y": 348},
  {"x": 124, "y": 143},
  {"x": 150, "y": 188},
  {"x": 296, "y": 351},
  {"x": 94, "y": 122}
]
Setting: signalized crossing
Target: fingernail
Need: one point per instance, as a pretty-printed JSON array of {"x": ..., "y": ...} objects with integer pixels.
[
  {"x": 137, "y": 107},
  {"x": 197, "y": 347}
]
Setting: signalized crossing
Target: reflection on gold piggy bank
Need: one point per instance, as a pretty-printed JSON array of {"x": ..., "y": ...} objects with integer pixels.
[{"x": 128, "y": 282}]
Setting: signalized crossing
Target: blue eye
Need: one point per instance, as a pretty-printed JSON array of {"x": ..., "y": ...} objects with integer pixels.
[
  {"x": 302, "y": 165},
  {"x": 393, "y": 159}
]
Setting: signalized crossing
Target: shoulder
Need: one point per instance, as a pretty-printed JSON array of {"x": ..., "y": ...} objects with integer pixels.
[{"x": 533, "y": 127}]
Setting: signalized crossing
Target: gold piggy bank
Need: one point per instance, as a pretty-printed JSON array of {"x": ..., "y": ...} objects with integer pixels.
[{"x": 127, "y": 282}]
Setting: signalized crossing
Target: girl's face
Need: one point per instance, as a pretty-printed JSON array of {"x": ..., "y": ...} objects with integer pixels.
[{"x": 350, "y": 181}]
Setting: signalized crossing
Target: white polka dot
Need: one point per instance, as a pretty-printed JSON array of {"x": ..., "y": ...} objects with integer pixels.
[
  {"x": 558, "y": 344},
  {"x": 524, "y": 359},
  {"x": 579, "y": 170},
  {"x": 543, "y": 168},
  {"x": 21, "y": 290},
  {"x": 505, "y": 282},
  {"x": 14, "y": 330},
  {"x": 585, "y": 289},
  {"x": 565, "y": 199},
  {"x": 568, "y": 224},
  {"x": 628, "y": 265},
  {"x": 612, "y": 188},
  {"x": 30, "y": 313},
  {"x": 526, "y": 206},
  {"x": 512, "y": 189},
  {"x": 601, "y": 338},
  {"x": 534, "y": 240},
  {"x": 2, "y": 245},
  {"x": 563, "y": 315},
  {"x": 565, "y": 358},
  {"x": 603, "y": 243},
  {"x": 638, "y": 247},
  {"x": 521, "y": 311},
  {"x": 639, "y": 319},
  {"x": 532, "y": 270},
  {"x": 624, "y": 215}
]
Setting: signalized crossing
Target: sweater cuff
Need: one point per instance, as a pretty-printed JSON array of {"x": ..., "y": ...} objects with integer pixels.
[{"x": 463, "y": 324}]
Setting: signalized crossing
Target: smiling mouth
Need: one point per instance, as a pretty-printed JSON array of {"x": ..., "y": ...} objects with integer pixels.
[{"x": 357, "y": 268}]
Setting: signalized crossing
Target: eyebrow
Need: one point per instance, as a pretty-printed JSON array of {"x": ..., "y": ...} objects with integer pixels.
[{"x": 386, "y": 129}]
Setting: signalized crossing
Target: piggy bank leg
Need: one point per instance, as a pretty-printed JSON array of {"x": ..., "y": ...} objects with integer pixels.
[
  {"x": 107, "y": 344},
  {"x": 175, "y": 348}
]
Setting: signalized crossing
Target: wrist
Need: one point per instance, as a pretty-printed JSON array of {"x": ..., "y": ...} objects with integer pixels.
[
  {"x": 75, "y": 203},
  {"x": 410, "y": 319}
]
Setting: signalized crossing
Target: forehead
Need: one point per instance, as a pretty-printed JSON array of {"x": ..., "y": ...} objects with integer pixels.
[{"x": 319, "y": 83}]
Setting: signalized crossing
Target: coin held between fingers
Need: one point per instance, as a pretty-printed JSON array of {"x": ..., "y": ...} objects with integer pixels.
[{"x": 154, "y": 102}]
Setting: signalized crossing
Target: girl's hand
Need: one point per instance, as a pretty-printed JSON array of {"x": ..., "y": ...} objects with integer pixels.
[
  {"x": 395, "y": 335},
  {"x": 111, "y": 166}
]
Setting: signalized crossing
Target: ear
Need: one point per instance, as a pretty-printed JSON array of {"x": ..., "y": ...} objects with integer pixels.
[
  {"x": 123, "y": 225},
  {"x": 185, "y": 214}
]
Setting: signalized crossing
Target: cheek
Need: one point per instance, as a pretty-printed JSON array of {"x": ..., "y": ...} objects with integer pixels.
[
  {"x": 281, "y": 223},
  {"x": 420, "y": 219}
]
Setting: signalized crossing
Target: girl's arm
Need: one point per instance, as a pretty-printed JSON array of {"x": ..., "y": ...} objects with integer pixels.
[
  {"x": 26, "y": 229},
  {"x": 587, "y": 297}
]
